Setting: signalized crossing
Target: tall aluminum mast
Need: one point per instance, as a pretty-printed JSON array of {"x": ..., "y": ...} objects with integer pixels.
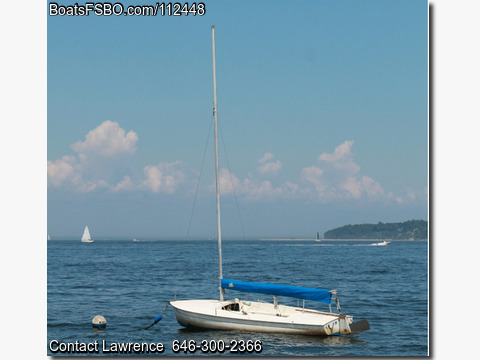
[{"x": 217, "y": 179}]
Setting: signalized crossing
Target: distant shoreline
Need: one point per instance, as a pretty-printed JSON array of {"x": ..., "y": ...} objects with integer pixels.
[{"x": 71, "y": 239}]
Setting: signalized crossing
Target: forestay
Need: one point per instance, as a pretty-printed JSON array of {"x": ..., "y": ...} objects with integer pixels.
[{"x": 297, "y": 292}]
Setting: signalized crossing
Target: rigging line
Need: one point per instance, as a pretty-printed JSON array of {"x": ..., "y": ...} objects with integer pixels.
[
  {"x": 196, "y": 195},
  {"x": 198, "y": 182},
  {"x": 231, "y": 181}
]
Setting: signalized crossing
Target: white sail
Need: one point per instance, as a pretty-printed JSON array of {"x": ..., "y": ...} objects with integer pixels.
[{"x": 86, "y": 235}]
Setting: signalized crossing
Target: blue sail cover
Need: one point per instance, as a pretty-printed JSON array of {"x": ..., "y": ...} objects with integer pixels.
[{"x": 281, "y": 290}]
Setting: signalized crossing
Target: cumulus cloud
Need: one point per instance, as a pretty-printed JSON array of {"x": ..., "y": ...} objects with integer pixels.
[
  {"x": 251, "y": 188},
  {"x": 164, "y": 177},
  {"x": 101, "y": 158},
  {"x": 266, "y": 157},
  {"x": 372, "y": 187},
  {"x": 342, "y": 158},
  {"x": 99, "y": 161},
  {"x": 63, "y": 170},
  {"x": 89, "y": 186},
  {"x": 107, "y": 140},
  {"x": 342, "y": 151},
  {"x": 125, "y": 184},
  {"x": 229, "y": 183},
  {"x": 356, "y": 187},
  {"x": 336, "y": 177},
  {"x": 269, "y": 167},
  {"x": 411, "y": 196},
  {"x": 314, "y": 175},
  {"x": 261, "y": 190}
]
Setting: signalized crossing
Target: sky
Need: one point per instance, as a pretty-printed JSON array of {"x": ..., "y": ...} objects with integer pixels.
[{"x": 322, "y": 105}]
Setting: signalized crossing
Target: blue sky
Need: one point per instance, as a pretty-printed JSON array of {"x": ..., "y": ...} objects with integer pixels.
[{"x": 322, "y": 105}]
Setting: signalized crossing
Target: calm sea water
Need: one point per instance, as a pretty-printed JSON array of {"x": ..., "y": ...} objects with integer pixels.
[{"x": 130, "y": 283}]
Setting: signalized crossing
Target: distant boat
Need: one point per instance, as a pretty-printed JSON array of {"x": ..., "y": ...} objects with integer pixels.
[
  {"x": 382, "y": 243},
  {"x": 48, "y": 237},
  {"x": 135, "y": 240},
  {"x": 318, "y": 237},
  {"x": 246, "y": 315},
  {"x": 86, "y": 238}
]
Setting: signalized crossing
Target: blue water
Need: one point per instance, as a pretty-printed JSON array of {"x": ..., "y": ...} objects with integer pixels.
[{"x": 130, "y": 283}]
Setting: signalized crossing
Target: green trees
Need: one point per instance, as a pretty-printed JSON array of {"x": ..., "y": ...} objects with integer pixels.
[{"x": 412, "y": 229}]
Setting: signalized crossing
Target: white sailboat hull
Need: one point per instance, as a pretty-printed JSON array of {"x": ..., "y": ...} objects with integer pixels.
[{"x": 258, "y": 317}]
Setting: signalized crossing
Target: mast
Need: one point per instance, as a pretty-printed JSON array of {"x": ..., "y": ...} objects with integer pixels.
[{"x": 217, "y": 178}]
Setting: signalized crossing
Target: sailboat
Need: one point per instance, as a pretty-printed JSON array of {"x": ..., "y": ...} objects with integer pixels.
[
  {"x": 86, "y": 238},
  {"x": 245, "y": 315}
]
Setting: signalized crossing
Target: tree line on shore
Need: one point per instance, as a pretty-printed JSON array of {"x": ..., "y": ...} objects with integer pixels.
[{"x": 408, "y": 230}]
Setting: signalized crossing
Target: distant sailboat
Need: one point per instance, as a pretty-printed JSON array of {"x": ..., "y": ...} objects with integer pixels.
[
  {"x": 48, "y": 237},
  {"x": 86, "y": 238},
  {"x": 318, "y": 237}
]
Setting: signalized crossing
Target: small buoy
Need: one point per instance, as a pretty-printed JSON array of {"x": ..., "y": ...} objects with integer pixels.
[{"x": 99, "y": 322}]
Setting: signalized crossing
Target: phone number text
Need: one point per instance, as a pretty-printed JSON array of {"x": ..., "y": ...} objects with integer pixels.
[{"x": 217, "y": 346}]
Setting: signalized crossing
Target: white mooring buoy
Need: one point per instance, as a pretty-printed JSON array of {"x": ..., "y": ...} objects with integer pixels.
[{"x": 99, "y": 322}]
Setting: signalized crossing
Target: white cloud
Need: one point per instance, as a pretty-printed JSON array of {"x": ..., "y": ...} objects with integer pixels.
[
  {"x": 372, "y": 187},
  {"x": 352, "y": 186},
  {"x": 164, "y": 177},
  {"x": 313, "y": 175},
  {"x": 261, "y": 190},
  {"x": 356, "y": 187},
  {"x": 342, "y": 158},
  {"x": 412, "y": 196},
  {"x": 67, "y": 172},
  {"x": 229, "y": 183},
  {"x": 341, "y": 152},
  {"x": 107, "y": 140},
  {"x": 291, "y": 188},
  {"x": 100, "y": 160},
  {"x": 250, "y": 188},
  {"x": 63, "y": 170},
  {"x": 336, "y": 177},
  {"x": 266, "y": 157},
  {"x": 125, "y": 185},
  {"x": 269, "y": 167},
  {"x": 100, "y": 163},
  {"x": 93, "y": 185}
]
